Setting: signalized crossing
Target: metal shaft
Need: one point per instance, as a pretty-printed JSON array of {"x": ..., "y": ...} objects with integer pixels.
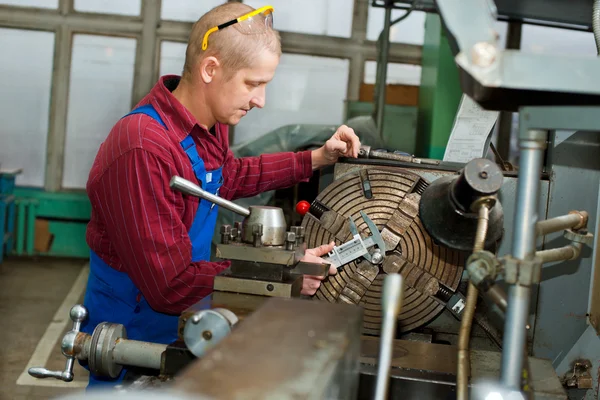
[
  {"x": 569, "y": 252},
  {"x": 187, "y": 187},
  {"x": 382, "y": 69},
  {"x": 528, "y": 193},
  {"x": 558, "y": 223},
  {"x": 391, "y": 303},
  {"x": 138, "y": 354}
]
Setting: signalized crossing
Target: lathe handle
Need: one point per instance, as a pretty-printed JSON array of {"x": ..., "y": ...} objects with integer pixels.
[
  {"x": 78, "y": 314},
  {"x": 187, "y": 187}
]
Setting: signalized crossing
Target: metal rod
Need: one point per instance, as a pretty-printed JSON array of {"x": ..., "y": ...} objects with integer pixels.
[
  {"x": 464, "y": 362},
  {"x": 391, "y": 303},
  {"x": 187, "y": 187},
  {"x": 558, "y": 224},
  {"x": 138, "y": 354},
  {"x": 569, "y": 252},
  {"x": 532, "y": 147},
  {"x": 382, "y": 69}
]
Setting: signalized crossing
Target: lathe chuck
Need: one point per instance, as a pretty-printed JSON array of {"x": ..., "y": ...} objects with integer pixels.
[{"x": 390, "y": 198}]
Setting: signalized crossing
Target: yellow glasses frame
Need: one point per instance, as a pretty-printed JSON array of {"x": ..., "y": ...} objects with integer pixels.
[{"x": 265, "y": 9}]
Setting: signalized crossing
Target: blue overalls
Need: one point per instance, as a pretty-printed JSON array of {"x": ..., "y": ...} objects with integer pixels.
[{"x": 111, "y": 296}]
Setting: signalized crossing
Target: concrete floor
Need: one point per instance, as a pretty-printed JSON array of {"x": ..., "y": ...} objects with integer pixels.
[{"x": 32, "y": 291}]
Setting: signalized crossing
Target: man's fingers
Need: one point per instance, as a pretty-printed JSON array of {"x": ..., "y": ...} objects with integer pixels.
[
  {"x": 321, "y": 250},
  {"x": 348, "y": 135},
  {"x": 332, "y": 269}
]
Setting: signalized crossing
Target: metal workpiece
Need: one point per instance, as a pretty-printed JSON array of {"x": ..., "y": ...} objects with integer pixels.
[
  {"x": 323, "y": 340},
  {"x": 367, "y": 152},
  {"x": 268, "y": 222},
  {"x": 391, "y": 304},
  {"x": 136, "y": 353},
  {"x": 71, "y": 345},
  {"x": 206, "y": 328},
  {"x": 184, "y": 186},
  {"x": 446, "y": 206},
  {"x": 426, "y": 266},
  {"x": 573, "y": 220}
]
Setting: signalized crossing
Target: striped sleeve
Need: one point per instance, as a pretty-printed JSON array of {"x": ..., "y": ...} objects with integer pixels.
[{"x": 145, "y": 228}]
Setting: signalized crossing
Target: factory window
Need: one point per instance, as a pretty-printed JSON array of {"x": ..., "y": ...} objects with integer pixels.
[
  {"x": 31, "y": 3},
  {"x": 329, "y": 18},
  {"x": 305, "y": 90},
  {"x": 99, "y": 94},
  {"x": 539, "y": 39},
  {"x": 410, "y": 30},
  {"x": 25, "y": 81},
  {"x": 172, "y": 57},
  {"x": 397, "y": 74},
  {"x": 129, "y": 7},
  {"x": 186, "y": 10}
]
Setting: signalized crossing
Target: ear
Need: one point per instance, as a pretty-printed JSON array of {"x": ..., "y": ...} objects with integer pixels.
[{"x": 208, "y": 68}]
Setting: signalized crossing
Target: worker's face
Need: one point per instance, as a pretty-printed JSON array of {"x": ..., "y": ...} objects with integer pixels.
[{"x": 236, "y": 96}]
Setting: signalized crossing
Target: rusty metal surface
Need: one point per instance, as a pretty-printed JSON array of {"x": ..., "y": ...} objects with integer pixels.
[
  {"x": 393, "y": 207},
  {"x": 435, "y": 361},
  {"x": 300, "y": 349},
  {"x": 287, "y": 287}
]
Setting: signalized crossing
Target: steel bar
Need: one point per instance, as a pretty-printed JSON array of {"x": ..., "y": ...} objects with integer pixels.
[
  {"x": 569, "y": 252},
  {"x": 391, "y": 303},
  {"x": 532, "y": 145},
  {"x": 138, "y": 354}
]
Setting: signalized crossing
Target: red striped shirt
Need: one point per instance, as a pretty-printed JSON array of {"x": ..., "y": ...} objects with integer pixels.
[{"x": 139, "y": 225}]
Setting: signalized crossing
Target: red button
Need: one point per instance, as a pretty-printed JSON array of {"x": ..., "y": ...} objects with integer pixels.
[{"x": 302, "y": 207}]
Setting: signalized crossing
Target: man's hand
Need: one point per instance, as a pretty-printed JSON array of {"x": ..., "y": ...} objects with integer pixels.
[
  {"x": 311, "y": 283},
  {"x": 344, "y": 142}
]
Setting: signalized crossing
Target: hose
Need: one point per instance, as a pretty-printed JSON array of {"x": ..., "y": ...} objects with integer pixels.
[{"x": 463, "y": 364}]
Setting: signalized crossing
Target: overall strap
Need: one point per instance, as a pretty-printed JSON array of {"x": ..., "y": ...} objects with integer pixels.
[
  {"x": 148, "y": 110},
  {"x": 190, "y": 149}
]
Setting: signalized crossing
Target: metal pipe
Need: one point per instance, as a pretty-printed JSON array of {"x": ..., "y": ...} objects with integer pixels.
[
  {"x": 464, "y": 362},
  {"x": 382, "y": 69},
  {"x": 138, "y": 354},
  {"x": 568, "y": 252},
  {"x": 498, "y": 296},
  {"x": 557, "y": 224},
  {"x": 391, "y": 303},
  {"x": 525, "y": 218},
  {"x": 596, "y": 24},
  {"x": 187, "y": 187}
]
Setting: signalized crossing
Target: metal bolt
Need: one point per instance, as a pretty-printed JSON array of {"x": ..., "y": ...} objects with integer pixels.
[
  {"x": 207, "y": 335},
  {"x": 299, "y": 231},
  {"x": 225, "y": 233},
  {"x": 257, "y": 231},
  {"x": 270, "y": 287},
  {"x": 238, "y": 225},
  {"x": 483, "y": 175},
  {"x": 483, "y": 54},
  {"x": 376, "y": 258},
  {"x": 290, "y": 240}
]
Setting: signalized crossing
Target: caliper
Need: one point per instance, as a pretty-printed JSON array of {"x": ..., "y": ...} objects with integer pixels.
[{"x": 358, "y": 247}]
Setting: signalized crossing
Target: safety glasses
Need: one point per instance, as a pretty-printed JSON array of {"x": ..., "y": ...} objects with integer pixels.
[{"x": 248, "y": 23}]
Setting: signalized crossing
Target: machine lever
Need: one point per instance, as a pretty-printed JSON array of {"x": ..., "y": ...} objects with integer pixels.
[
  {"x": 78, "y": 314},
  {"x": 187, "y": 187}
]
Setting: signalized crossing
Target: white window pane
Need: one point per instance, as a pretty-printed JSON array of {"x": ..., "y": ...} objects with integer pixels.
[
  {"x": 317, "y": 17},
  {"x": 172, "y": 58},
  {"x": 397, "y": 74},
  {"x": 25, "y": 80},
  {"x": 187, "y": 10},
  {"x": 127, "y": 7},
  {"x": 410, "y": 30},
  {"x": 31, "y": 3},
  {"x": 305, "y": 90},
  {"x": 99, "y": 94},
  {"x": 540, "y": 39}
]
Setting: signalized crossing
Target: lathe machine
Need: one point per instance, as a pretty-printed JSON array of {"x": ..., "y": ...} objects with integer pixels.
[{"x": 424, "y": 248}]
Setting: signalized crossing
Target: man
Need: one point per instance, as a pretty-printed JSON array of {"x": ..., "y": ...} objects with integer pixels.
[{"x": 151, "y": 245}]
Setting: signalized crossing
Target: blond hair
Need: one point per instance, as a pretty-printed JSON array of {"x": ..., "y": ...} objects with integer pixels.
[{"x": 233, "y": 47}]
